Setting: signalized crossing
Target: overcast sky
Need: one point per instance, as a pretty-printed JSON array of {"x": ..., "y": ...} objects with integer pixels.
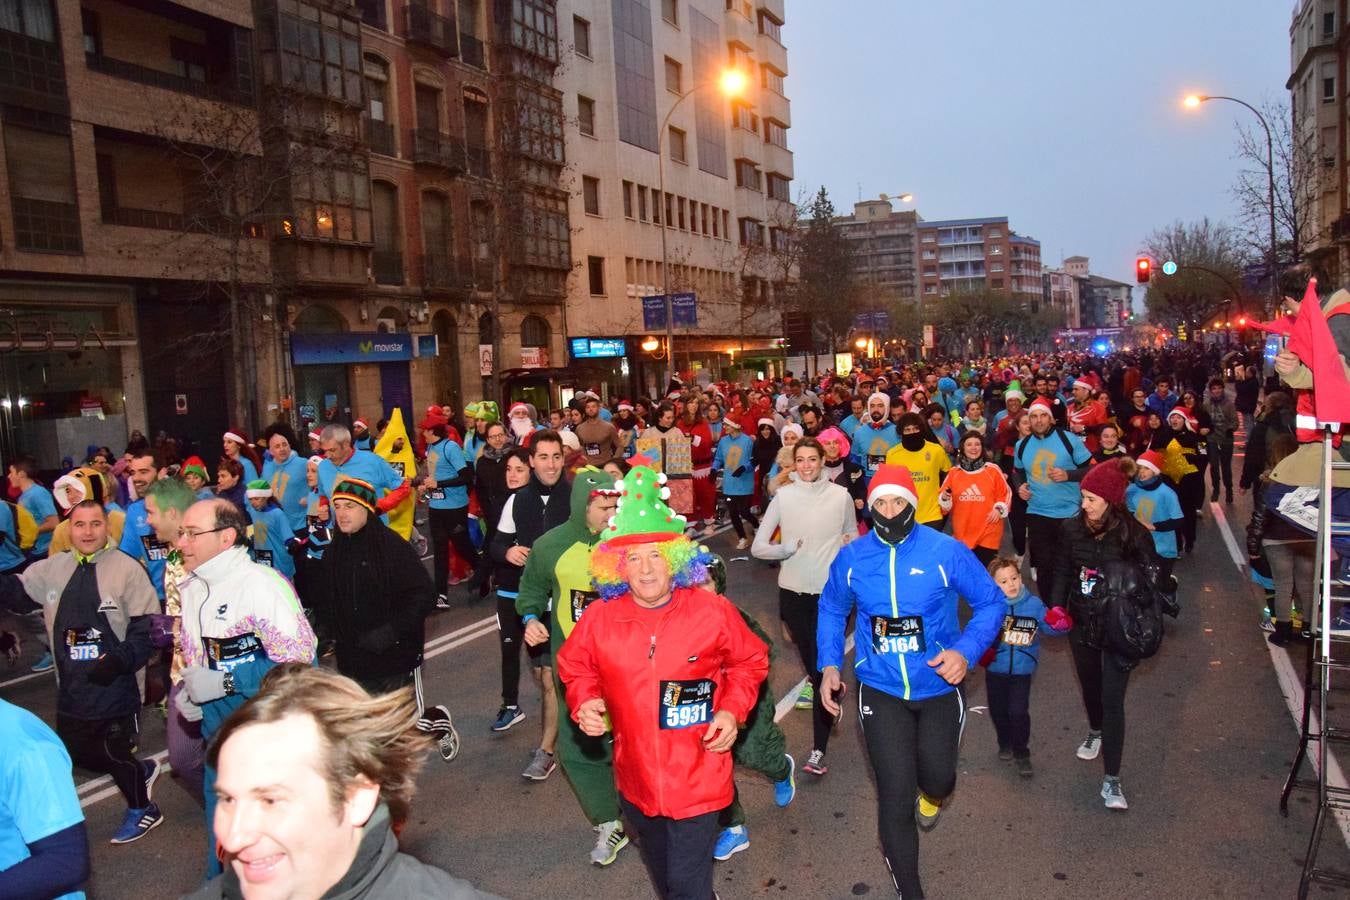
[{"x": 1063, "y": 116}]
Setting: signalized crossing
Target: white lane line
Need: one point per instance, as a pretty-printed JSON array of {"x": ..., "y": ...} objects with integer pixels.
[
  {"x": 108, "y": 788},
  {"x": 789, "y": 700},
  {"x": 22, "y": 678},
  {"x": 490, "y": 620},
  {"x": 1234, "y": 551},
  {"x": 1291, "y": 685}
]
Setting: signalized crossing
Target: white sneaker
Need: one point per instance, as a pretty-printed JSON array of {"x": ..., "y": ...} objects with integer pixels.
[
  {"x": 1112, "y": 793},
  {"x": 710, "y": 530},
  {"x": 743, "y": 543},
  {"x": 610, "y": 841},
  {"x": 1091, "y": 746}
]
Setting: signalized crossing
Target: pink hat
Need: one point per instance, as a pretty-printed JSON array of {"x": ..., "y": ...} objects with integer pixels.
[
  {"x": 892, "y": 480},
  {"x": 834, "y": 435}
]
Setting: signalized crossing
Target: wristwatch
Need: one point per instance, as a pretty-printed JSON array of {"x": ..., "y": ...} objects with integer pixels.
[{"x": 228, "y": 683}]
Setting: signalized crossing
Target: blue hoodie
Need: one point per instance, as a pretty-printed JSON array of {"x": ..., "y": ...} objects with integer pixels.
[
  {"x": 1022, "y": 614},
  {"x": 949, "y": 395},
  {"x": 733, "y": 453},
  {"x": 906, "y": 597}
]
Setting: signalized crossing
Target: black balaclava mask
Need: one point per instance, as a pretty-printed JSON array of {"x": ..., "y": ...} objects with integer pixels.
[
  {"x": 895, "y": 529},
  {"x": 912, "y": 442}
]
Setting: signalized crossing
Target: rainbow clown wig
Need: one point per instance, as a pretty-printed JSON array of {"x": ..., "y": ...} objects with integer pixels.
[{"x": 643, "y": 517}]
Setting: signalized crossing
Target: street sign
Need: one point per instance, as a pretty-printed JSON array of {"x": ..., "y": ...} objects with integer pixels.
[
  {"x": 597, "y": 347},
  {"x": 685, "y": 307},
  {"x": 872, "y": 321},
  {"x": 928, "y": 342},
  {"x": 1169, "y": 268}
]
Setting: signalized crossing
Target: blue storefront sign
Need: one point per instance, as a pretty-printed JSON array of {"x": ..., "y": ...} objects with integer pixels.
[
  {"x": 350, "y": 347},
  {"x": 597, "y": 347},
  {"x": 685, "y": 307}
]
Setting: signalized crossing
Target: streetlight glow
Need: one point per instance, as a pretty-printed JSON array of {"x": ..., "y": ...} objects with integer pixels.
[
  {"x": 734, "y": 82},
  {"x": 860, "y": 343},
  {"x": 1193, "y": 100}
]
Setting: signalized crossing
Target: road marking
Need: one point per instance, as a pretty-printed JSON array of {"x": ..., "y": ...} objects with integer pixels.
[
  {"x": 1231, "y": 542},
  {"x": 789, "y": 700},
  {"x": 29, "y": 677},
  {"x": 1291, "y": 686}
]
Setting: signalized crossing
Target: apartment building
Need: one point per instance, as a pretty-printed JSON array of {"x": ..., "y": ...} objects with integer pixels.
[
  {"x": 640, "y": 82},
  {"x": 1318, "y": 112},
  {"x": 975, "y": 255},
  {"x": 286, "y": 207},
  {"x": 883, "y": 241}
]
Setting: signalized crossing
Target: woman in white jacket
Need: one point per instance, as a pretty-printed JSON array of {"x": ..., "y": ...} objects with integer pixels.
[{"x": 814, "y": 518}]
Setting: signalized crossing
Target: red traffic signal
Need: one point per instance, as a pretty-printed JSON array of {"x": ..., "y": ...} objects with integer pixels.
[
  {"x": 1242, "y": 321},
  {"x": 1143, "y": 269}
]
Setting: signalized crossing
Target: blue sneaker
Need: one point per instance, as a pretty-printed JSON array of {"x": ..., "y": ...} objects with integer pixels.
[
  {"x": 730, "y": 842},
  {"x": 137, "y": 824},
  {"x": 506, "y": 717},
  {"x": 46, "y": 664},
  {"x": 152, "y": 771},
  {"x": 785, "y": 790}
]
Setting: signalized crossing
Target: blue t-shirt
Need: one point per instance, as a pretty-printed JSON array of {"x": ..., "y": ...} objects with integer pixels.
[
  {"x": 37, "y": 790},
  {"x": 1158, "y": 503},
  {"x": 363, "y": 465},
  {"x": 250, "y": 470},
  {"x": 449, "y": 461},
  {"x": 1037, "y": 456},
  {"x": 271, "y": 531},
  {"x": 849, "y": 425},
  {"x": 733, "y": 452},
  {"x": 870, "y": 446},
  {"x": 139, "y": 542},
  {"x": 11, "y": 556},
  {"x": 288, "y": 486},
  {"x": 38, "y": 501}
]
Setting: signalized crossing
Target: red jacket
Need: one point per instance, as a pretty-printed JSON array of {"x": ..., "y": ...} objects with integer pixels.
[{"x": 653, "y": 668}]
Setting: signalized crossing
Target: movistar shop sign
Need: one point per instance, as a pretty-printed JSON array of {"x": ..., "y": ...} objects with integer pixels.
[{"x": 350, "y": 347}]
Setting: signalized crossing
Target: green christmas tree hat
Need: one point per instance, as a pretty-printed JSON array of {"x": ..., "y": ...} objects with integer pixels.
[{"x": 642, "y": 516}]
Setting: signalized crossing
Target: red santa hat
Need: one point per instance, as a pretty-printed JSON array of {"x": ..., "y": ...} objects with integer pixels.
[
  {"x": 1088, "y": 380},
  {"x": 360, "y": 423},
  {"x": 1151, "y": 459},
  {"x": 1041, "y": 403},
  {"x": 315, "y": 434},
  {"x": 625, "y": 406},
  {"x": 1186, "y": 416},
  {"x": 511, "y": 411},
  {"x": 237, "y": 435},
  {"x": 892, "y": 481}
]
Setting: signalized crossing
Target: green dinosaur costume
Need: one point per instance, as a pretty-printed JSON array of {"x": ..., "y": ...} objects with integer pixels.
[{"x": 558, "y": 570}]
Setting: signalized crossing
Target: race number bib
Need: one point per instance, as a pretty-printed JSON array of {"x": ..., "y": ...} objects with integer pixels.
[
  {"x": 263, "y": 558},
  {"x": 398, "y": 467},
  {"x": 227, "y": 654},
  {"x": 1019, "y": 631},
  {"x": 898, "y": 635},
  {"x": 83, "y": 644},
  {"x": 581, "y": 600},
  {"x": 874, "y": 460},
  {"x": 436, "y": 494},
  {"x": 1087, "y": 580},
  {"x": 685, "y": 704},
  {"x": 592, "y": 449},
  {"x": 155, "y": 551}
]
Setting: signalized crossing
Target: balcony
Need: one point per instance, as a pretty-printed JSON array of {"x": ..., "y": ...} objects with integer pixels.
[
  {"x": 441, "y": 272},
  {"x": 431, "y": 148},
  {"x": 45, "y": 226},
  {"x": 471, "y": 51},
  {"x": 387, "y": 266},
  {"x": 480, "y": 162},
  {"x": 431, "y": 30},
  {"x": 207, "y": 90},
  {"x": 379, "y": 137}
]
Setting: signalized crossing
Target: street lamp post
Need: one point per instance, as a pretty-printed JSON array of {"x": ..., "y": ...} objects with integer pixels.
[
  {"x": 732, "y": 82},
  {"x": 1193, "y": 101}
]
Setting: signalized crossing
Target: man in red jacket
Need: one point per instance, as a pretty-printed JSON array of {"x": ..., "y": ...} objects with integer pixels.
[{"x": 676, "y": 671}]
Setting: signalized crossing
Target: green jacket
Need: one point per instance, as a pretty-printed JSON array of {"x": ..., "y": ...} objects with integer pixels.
[{"x": 557, "y": 574}]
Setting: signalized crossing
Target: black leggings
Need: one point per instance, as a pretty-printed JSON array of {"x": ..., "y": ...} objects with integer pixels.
[
  {"x": 1191, "y": 493},
  {"x": 739, "y": 507},
  {"x": 1103, "y": 684},
  {"x": 1044, "y": 545},
  {"x": 798, "y": 612},
  {"x": 913, "y": 747},
  {"x": 511, "y": 637},
  {"x": 105, "y": 746},
  {"x": 450, "y": 526},
  {"x": 1010, "y": 708},
  {"x": 1221, "y": 464}
]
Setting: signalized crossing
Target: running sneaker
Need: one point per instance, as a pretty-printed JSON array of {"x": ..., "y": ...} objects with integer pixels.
[
  {"x": 541, "y": 765},
  {"x": 45, "y": 664},
  {"x": 815, "y": 763},
  {"x": 785, "y": 790},
  {"x": 436, "y": 720},
  {"x": 137, "y": 824},
  {"x": 743, "y": 544},
  {"x": 730, "y": 842},
  {"x": 1023, "y": 764},
  {"x": 610, "y": 841},
  {"x": 1005, "y": 754},
  {"x": 1113, "y": 794},
  {"x": 442, "y": 601},
  {"x": 806, "y": 698},
  {"x": 926, "y": 812},
  {"x": 508, "y": 716},
  {"x": 152, "y": 771},
  {"x": 1091, "y": 746}
]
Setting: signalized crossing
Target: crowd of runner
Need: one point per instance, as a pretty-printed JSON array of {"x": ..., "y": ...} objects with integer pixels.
[{"x": 1020, "y": 491}]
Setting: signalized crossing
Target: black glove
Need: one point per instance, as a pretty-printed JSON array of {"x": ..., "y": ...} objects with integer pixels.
[
  {"x": 378, "y": 640},
  {"x": 107, "y": 670},
  {"x": 738, "y": 472}
]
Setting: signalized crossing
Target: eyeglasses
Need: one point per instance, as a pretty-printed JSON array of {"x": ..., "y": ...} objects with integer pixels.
[{"x": 187, "y": 534}]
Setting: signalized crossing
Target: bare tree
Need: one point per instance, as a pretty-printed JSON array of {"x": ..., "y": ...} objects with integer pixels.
[
  {"x": 826, "y": 286},
  {"x": 1209, "y": 258}
]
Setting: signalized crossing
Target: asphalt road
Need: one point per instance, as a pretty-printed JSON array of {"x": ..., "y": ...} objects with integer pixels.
[{"x": 1210, "y": 738}]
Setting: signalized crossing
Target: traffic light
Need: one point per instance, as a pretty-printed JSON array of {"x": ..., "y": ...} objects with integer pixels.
[
  {"x": 1242, "y": 321},
  {"x": 1143, "y": 269}
]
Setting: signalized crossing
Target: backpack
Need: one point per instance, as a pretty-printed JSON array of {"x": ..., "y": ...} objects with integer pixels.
[{"x": 24, "y": 524}]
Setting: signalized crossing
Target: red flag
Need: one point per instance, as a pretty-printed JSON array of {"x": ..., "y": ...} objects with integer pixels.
[{"x": 1311, "y": 341}]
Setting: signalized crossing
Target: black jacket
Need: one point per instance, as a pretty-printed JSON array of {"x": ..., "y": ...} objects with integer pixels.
[
  {"x": 1081, "y": 554},
  {"x": 490, "y": 485},
  {"x": 378, "y": 595}
]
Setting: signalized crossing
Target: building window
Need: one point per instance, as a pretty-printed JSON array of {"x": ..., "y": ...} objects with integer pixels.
[
  {"x": 635, "y": 75},
  {"x": 670, "y": 11},
  {"x": 770, "y": 27},
  {"x": 322, "y": 58},
  {"x": 716, "y": 215},
  {"x": 1328, "y": 25},
  {"x": 930, "y": 288},
  {"x": 775, "y": 133},
  {"x": 747, "y": 175},
  {"x": 743, "y": 118},
  {"x": 674, "y": 73},
  {"x": 677, "y": 145},
  {"x": 996, "y": 267},
  {"x": 928, "y": 239},
  {"x": 93, "y": 37},
  {"x": 534, "y": 332},
  {"x": 994, "y": 234},
  {"x": 590, "y": 193},
  {"x": 996, "y": 284},
  {"x": 534, "y": 28},
  {"x": 772, "y": 79},
  {"x": 642, "y": 203},
  {"x": 929, "y": 254},
  {"x": 581, "y": 36},
  {"x": 778, "y": 187},
  {"x": 752, "y": 233},
  {"x": 595, "y": 268},
  {"x": 189, "y": 60},
  {"x": 32, "y": 18},
  {"x": 627, "y": 199},
  {"x": 995, "y": 250},
  {"x": 680, "y": 204},
  {"x": 586, "y": 115},
  {"x": 1328, "y": 90},
  {"x": 42, "y": 190},
  {"x": 331, "y": 197}
]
